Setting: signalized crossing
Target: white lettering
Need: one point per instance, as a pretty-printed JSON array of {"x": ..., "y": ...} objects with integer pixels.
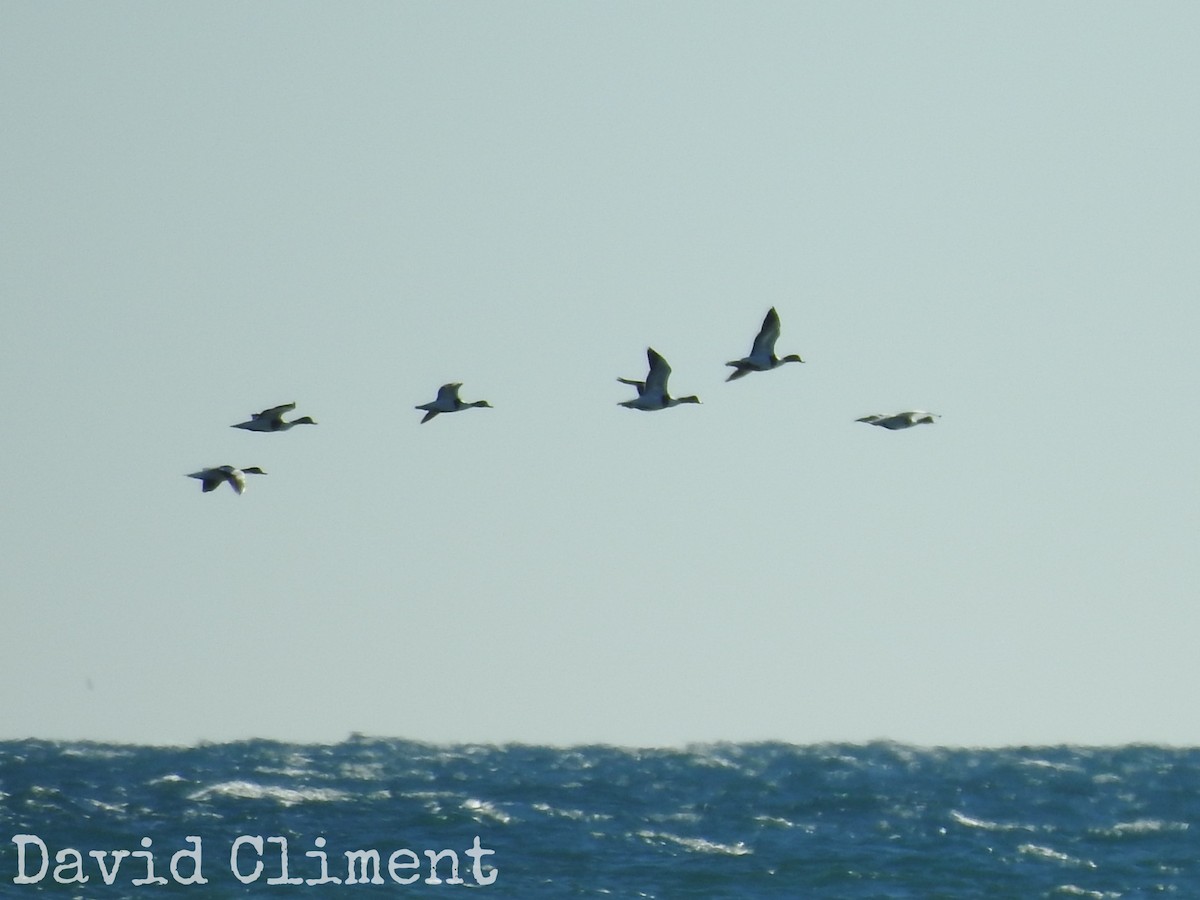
[
  {"x": 76, "y": 858},
  {"x": 117, "y": 856},
  {"x": 282, "y": 877},
  {"x": 362, "y": 866},
  {"x": 434, "y": 857},
  {"x": 413, "y": 863},
  {"x": 362, "y": 856},
  {"x": 477, "y": 853},
  {"x": 325, "y": 878},
  {"x": 254, "y": 841},
  {"x": 193, "y": 854},
  {"x": 22, "y": 841},
  {"x": 150, "y": 878}
]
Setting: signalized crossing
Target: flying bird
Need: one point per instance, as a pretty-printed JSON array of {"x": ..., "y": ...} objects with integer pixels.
[
  {"x": 898, "y": 421},
  {"x": 272, "y": 419},
  {"x": 652, "y": 393},
  {"x": 447, "y": 401},
  {"x": 762, "y": 356},
  {"x": 211, "y": 479}
]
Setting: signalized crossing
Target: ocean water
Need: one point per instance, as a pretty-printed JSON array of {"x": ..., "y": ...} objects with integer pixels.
[{"x": 747, "y": 821}]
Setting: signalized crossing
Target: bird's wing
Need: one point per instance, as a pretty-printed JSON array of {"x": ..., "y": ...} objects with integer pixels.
[
  {"x": 210, "y": 479},
  {"x": 656, "y": 378},
  {"x": 448, "y": 394},
  {"x": 236, "y": 480},
  {"x": 275, "y": 412},
  {"x": 764, "y": 343}
]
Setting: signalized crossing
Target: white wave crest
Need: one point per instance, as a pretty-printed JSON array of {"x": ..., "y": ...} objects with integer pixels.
[
  {"x": 777, "y": 822},
  {"x": 697, "y": 845},
  {"x": 249, "y": 790},
  {"x": 484, "y": 809},
  {"x": 1140, "y": 826},
  {"x": 1074, "y": 890},
  {"x": 1054, "y": 856},
  {"x": 971, "y": 822},
  {"x": 575, "y": 815}
]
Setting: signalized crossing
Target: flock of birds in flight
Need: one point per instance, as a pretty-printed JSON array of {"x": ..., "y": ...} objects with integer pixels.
[{"x": 652, "y": 395}]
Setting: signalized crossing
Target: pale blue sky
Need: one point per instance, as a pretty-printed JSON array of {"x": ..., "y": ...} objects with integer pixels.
[{"x": 986, "y": 210}]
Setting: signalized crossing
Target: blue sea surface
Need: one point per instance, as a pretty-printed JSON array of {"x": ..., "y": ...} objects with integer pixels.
[{"x": 748, "y": 821}]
